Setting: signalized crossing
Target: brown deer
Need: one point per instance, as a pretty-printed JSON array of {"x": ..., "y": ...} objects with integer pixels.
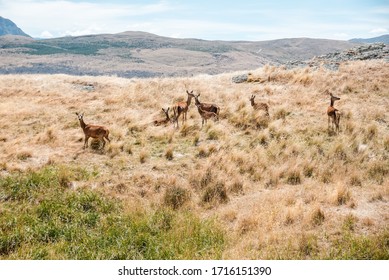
[
  {"x": 205, "y": 115},
  {"x": 165, "y": 120},
  {"x": 207, "y": 107},
  {"x": 333, "y": 113},
  {"x": 182, "y": 108},
  {"x": 259, "y": 106},
  {"x": 94, "y": 131}
]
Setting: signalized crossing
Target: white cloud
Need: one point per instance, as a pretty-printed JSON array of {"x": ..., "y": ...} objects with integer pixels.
[
  {"x": 379, "y": 31},
  {"x": 46, "y": 34}
]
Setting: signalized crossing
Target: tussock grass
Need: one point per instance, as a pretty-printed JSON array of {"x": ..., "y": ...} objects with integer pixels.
[
  {"x": 60, "y": 223},
  {"x": 294, "y": 189}
]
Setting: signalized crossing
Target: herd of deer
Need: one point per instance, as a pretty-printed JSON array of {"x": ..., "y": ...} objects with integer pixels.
[{"x": 206, "y": 111}]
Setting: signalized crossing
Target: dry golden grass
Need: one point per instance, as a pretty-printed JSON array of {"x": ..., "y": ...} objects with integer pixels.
[{"x": 276, "y": 184}]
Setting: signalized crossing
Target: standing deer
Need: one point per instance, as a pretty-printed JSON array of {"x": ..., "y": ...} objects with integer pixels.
[
  {"x": 182, "y": 108},
  {"x": 259, "y": 106},
  {"x": 205, "y": 115},
  {"x": 163, "y": 121},
  {"x": 208, "y": 107},
  {"x": 94, "y": 131},
  {"x": 333, "y": 113}
]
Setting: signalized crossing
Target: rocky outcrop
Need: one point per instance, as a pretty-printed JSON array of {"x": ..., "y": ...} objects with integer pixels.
[{"x": 333, "y": 60}]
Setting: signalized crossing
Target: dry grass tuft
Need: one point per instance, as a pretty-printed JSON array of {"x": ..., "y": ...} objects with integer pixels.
[{"x": 175, "y": 197}]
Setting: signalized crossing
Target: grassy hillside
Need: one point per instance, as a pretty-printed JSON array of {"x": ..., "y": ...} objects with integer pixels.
[
  {"x": 140, "y": 54},
  {"x": 245, "y": 187}
]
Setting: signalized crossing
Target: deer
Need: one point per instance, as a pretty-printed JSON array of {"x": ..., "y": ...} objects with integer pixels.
[
  {"x": 182, "y": 108},
  {"x": 163, "y": 121},
  {"x": 207, "y": 107},
  {"x": 333, "y": 113},
  {"x": 94, "y": 131},
  {"x": 205, "y": 115},
  {"x": 259, "y": 106}
]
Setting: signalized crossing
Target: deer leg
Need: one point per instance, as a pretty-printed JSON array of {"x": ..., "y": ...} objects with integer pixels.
[
  {"x": 86, "y": 142},
  {"x": 337, "y": 125}
]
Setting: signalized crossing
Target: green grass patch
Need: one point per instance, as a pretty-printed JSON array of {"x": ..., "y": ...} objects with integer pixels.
[{"x": 42, "y": 218}]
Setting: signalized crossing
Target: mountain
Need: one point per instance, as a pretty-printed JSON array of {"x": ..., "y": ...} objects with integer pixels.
[
  {"x": 7, "y": 27},
  {"x": 381, "y": 39},
  {"x": 140, "y": 54}
]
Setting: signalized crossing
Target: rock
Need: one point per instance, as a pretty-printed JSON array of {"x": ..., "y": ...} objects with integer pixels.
[
  {"x": 240, "y": 78},
  {"x": 332, "y": 60}
]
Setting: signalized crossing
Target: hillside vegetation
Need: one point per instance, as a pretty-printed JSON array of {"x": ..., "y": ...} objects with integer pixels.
[
  {"x": 246, "y": 187},
  {"x": 145, "y": 55}
]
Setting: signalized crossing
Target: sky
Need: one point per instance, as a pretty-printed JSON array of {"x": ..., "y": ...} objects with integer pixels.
[{"x": 203, "y": 19}]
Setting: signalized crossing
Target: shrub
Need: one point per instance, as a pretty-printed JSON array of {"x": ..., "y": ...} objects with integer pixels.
[
  {"x": 169, "y": 153},
  {"x": 342, "y": 196},
  {"x": 215, "y": 193},
  {"x": 293, "y": 177},
  {"x": 143, "y": 156},
  {"x": 317, "y": 217},
  {"x": 175, "y": 197},
  {"x": 378, "y": 171}
]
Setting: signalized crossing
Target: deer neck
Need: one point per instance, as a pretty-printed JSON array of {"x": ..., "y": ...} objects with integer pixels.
[
  {"x": 332, "y": 102},
  {"x": 189, "y": 100},
  {"x": 82, "y": 124}
]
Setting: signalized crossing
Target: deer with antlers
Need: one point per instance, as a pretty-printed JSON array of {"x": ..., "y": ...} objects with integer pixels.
[
  {"x": 164, "y": 121},
  {"x": 207, "y": 107},
  {"x": 94, "y": 131},
  {"x": 259, "y": 106},
  {"x": 333, "y": 113},
  {"x": 205, "y": 115},
  {"x": 182, "y": 108}
]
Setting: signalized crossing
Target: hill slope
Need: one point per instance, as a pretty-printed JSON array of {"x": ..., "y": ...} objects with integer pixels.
[
  {"x": 7, "y": 27},
  {"x": 139, "y": 54}
]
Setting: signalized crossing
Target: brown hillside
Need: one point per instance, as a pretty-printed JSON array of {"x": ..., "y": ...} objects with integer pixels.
[{"x": 140, "y": 54}]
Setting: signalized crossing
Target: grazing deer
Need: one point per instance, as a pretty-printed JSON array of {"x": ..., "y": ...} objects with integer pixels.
[
  {"x": 163, "y": 121},
  {"x": 207, "y": 107},
  {"x": 205, "y": 115},
  {"x": 259, "y": 106},
  {"x": 94, "y": 131},
  {"x": 333, "y": 114},
  {"x": 182, "y": 108}
]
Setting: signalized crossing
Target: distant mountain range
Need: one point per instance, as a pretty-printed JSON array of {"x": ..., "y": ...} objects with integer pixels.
[
  {"x": 140, "y": 54},
  {"x": 381, "y": 39},
  {"x": 7, "y": 27}
]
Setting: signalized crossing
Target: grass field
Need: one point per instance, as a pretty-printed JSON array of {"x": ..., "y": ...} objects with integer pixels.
[{"x": 245, "y": 187}]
